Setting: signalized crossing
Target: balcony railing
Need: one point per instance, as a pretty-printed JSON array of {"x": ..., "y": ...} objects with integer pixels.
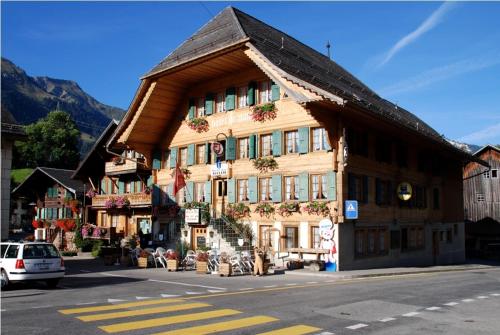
[
  {"x": 122, "y": 166},
  {"x": 136, "y": 199}
]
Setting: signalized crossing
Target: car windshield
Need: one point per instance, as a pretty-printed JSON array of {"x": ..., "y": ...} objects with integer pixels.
[{"x": 40, "y": 251}]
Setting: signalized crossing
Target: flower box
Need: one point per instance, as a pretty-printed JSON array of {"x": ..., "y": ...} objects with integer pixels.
[
  {"x": 225, "y": 270},
  {"x": 265, "y": 209},
  {"x": 172, "y": 264},
  {"x": 198, "y": 124},
  {"x": 201, "y": 267},
  {"x": 261, "y": 113},
  {"x": 265, "y": 164},
  {"x": 142, "y": 262}
]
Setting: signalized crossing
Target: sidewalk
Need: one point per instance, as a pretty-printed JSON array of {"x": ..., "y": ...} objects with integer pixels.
[{"x": 470, "y": 265}]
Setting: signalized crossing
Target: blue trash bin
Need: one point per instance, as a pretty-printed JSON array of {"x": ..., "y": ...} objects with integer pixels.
[{"x": 330, "y": 267}]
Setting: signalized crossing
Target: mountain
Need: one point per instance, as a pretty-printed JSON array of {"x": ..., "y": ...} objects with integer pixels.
[
  {"x": 28, "y": 99},
  {"x": 470, "y": 148}
]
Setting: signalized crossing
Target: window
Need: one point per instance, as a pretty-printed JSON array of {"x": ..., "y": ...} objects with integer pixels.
[
  {"x": 183, "y": 156},
  {"x": 370, "y": 241},
  {"x": 264, "y": 92},
  {"x": 242, "y": 97},
  {"x": 220, "y": 103},
  {"x": 266, "y": 145},
  {"x": 200, "y": 107},
  {"x": 292, "y": 188},
  {"x": 486, "y": 174},
  {"x": 421, "y": 197},
  {"x": 402, "y": 155},
  {"x": 243, "y": 190},
  {"x": 199, "y": 192},
  {"x": 412, "y": 237},
  {"x": 291, "y": 239},
  {"x": 383, "y": 150},
  {"x": 40, "y": 251},
  {"x": 266, "y": 189},
  {"x": 315, "y": 237},
  {"x": 3, "y": 249},
  {"x": 200, "y": 154},
  {"x": 12, "y": 251},
  {"x": 115, "y": 220},
  {"x": 357, "y": 142},
  {"x": 383, "y": 192},
  {"x": 292, "y": 141},
  {"x": 243, "y": 148},
  {"x": 52, "y": 192},
  {"x": 180, "y": 197},
  {"x": 423, "y": 162},
  {"x": 449, "y": 238},
  {"x": 265, "y": 240},
  {"x": 494, "y": 173},
  {"x": 358, "y": 188},
  {"x": 435, "y": 198},
  {"x": 127, "y": 186},
  {"x": 319, "y": 188},
  {"x": 319, "y": 139},
  {"x": 479, "y": 197}
]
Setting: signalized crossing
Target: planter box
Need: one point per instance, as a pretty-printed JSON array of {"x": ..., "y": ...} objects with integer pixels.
[
  {"x": 172, "y": 264},
  {"x": 266, "y": 266},
  {"x": 295, "y": 264},
  {"x": 125, "y": 260},
  {"x": 142, "y": 262},
  {"x": 109, "y": 259},
  {"x": 225, "y": 269},
  {"x": 201, "y": 267}
]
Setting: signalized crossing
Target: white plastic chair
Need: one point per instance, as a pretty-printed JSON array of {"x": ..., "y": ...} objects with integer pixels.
[
  {"x": 134, "y": 255},
  {"x": 213, "y": 260},
  {"x": 190, "y": 260},
  {"x": 151, "y": 255},
  {"x": 159, "y": 256},
  {"x": 236, "y": 263},
  {"x": 246, "y": 259}
]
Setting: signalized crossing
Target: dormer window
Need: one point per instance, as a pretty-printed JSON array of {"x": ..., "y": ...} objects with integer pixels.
[{"x": 265, "y": 92}]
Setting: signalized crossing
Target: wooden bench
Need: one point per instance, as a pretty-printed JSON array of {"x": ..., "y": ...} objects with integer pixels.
[{"x": 317, "y": 264}]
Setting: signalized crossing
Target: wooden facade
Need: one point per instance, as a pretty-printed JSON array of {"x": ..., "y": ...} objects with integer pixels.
[{"x": 329, "y": 146}]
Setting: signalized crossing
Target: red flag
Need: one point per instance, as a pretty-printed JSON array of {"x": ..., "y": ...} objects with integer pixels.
[{"x": 179, "y": 181}]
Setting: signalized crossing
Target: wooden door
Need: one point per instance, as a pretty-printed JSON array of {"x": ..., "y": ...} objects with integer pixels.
[
  {"x": 220, "y": 197},
  {"x": 198, "y": 237}
]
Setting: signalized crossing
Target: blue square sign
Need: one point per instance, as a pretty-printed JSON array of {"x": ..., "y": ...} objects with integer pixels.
[{"x": 351, "y": 209}]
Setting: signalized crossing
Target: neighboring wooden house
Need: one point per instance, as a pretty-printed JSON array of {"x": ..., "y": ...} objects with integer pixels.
[
  {"x": 324, "y": 135},
  {"x": 482, "y": 200},
  {"x": 117, "y": 190}
]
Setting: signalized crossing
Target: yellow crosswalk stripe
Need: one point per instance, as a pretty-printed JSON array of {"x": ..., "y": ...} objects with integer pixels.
[
  {"x": 118, "y": 306},
  {"x": 294, "y": 330},
  {"x": 221, "y": 326},
  {"x": 145, "y": 311},
  {"x": 125, "y": 326}
]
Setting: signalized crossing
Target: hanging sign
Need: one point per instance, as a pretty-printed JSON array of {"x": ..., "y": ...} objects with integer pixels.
[
  {"x": 219, "y": 170},
  {"x": 192, "y": 215},
  {"x": 217, "y": 148},
  {"x": 404, "y": 191}
]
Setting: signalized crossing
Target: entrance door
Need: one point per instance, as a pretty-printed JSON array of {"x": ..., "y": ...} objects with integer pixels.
[
  {"x": 198, "y": 237},
  {"x": 435, "y": 246},
  {"x": 220, "y": 195}
]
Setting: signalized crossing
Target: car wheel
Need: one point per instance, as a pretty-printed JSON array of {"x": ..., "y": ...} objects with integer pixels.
[
  {"x": 52, "y": 283},
  {"x": 5, "y": 279}
]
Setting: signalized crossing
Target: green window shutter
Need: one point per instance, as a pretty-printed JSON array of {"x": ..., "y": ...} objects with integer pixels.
[
  {"x": 276, "y": 181},
  {"x": 332, "y": 185},
  {"x": 156, "y": 195},
  {"x": 230, "y": 98},
  {"x": 231, "y": 190},
  {"x": 252, "y": 143},
  {"x": 190, "y": 191},
  {"x": 190, "y": 156},
  {"x": 275, "y": 92},
  {"x": 42, "y": 213},
  {"x": 252, "y": 189},
  {"x": 209, "y": 104},
  {"x": 207, "y": 153},
  {"x": 132, "y": 186},
  {"x": 60, "y": 213},
  {"x": 304, "y": 140},
  {"x": 231, "y": 148},
  {"x": 103, "y": 186},
  {"x": 156, "y": 159},
  {"x": 304, "y": 186},
  {"x": 251, "y": 93},
  {"x": 150, "y": 181},
  {"x": 276, "y": 143},
  {"x": 138, "y": 186},
  {"x": 208, "y": 192},
  {"x": 191, "y": 110},
  {"x": 365, "y": 189},
  {"x": 121, "y": 187},
  {"x": 173, "y": 157}
]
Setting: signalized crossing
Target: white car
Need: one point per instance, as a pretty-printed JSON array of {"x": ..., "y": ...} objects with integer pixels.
[{"x": 35, "y": 261}]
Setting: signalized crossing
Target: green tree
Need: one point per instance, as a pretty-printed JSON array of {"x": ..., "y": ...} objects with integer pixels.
[{"x": 51, "y": 142}]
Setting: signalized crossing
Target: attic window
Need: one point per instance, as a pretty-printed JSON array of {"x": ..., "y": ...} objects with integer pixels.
[
  {"x": 494, "y": 173},
  {"x": 479, "y": 197},
  {"x": 486, "y": 175}
]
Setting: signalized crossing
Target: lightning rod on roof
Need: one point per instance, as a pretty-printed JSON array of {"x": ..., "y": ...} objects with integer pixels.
[{"x": 328, "y": 49}]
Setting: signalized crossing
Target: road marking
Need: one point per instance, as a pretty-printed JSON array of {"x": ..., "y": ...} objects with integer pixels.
[
  {"x": 118, "y": 306},
  {"x": 387, "y": 319},
  {"x": 215, "y": 291},
  {"x": 294, "y": 330},
  {"x": 312, "y": 282},
  {"x": 86, "y": 303},
  {"x": 169, "y": 295},
  {"x": 269, "y": 286},
  {"x": 451, "y": 303},
  {"x": 325, "y": 333},
  {"x": 482, "y": 297},
  {"x": 246, "y": 288},
  {"x": 411, "y": 314},
  {"x": 169, "y": 320},
  {"x": 115, "y": 300},
  {"x": 495, "y": 294},
  {"x": 192, "y": 292},
  {"x": 434, "y": 308},
  {"x": 3, "y": 310},
  {"x": 44, "y": 306},
  {"x": 112, "y": 275},
  {"x": 291, "y": 284},
  {"x": 221, "y": 326},
  {"x": 357, "y": 326},
  {"x": 143, "y": 298},
  {"x": 468, "y": 300},
  {"x": 145, "y": 311},
  {"x": 185, "y": 284}
]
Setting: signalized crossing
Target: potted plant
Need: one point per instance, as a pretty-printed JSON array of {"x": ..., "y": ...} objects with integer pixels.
[
  {"x": 225, "y": 268},
  {"x": 37, "y": 224},
  {"x": 238, "y": 211},
  {"x": 91, "y": 193},
  {"x": 288, "y": 208},
  {"x": 202, "y": 262},
  {"x": 122, "y": 202},
  {"x": 198, "y": 124},
  {"x": 142, "y": 260},
  {"x": 261, "y": 113},
  {"x": 66, "y": 224},
  {"x": 172, "y": 261},
  {"x": 265, "y": 209},
  {"x": 319, "y": 208},
  {"x": 110, "y": 203},
  {"x": 264, "y": 164}
]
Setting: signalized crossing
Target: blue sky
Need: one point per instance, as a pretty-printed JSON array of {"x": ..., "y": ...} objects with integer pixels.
[{"x": 439, "y": 60}]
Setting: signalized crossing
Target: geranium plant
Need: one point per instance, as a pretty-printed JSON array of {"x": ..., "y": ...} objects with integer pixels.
[
  {"x": 317, "y": 208},
  {"x": 110, "y": 203},
  {"x": 264, "y": 164},
  {"x": 66, "y": 224},
  {"x": 288, "y": 208},
  {"x": 122, "y": 201},
  {"x": 238, "y": 211},
  {"x": 265, "y": 209},
  {"x": 91, "y": 193},
  {"x": 261, "y": 113},
  {"x": 198, "y": 124}
]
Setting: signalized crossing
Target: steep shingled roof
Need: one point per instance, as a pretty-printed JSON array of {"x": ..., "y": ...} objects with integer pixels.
[{"x": 60, "y": 176}]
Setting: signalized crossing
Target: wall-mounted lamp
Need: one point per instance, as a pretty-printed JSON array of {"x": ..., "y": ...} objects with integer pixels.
[
  {"x": 211, "y": 233},
  {"x": 185, "y": 232}
]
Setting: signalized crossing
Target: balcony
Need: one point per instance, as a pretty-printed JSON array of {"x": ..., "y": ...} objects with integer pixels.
[
  {"x": 122, "y": 166},
  {"x": 136, "y": 199}
]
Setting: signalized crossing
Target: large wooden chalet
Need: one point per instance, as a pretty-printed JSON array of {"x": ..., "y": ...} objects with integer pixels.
[{"x": 324, "y": 136}]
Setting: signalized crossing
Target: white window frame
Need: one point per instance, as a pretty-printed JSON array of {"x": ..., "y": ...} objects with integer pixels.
[
  {"x": 319, "y": 139},
  {"x": 292, "y": 141},
  {"x": 242, "y": 97}
]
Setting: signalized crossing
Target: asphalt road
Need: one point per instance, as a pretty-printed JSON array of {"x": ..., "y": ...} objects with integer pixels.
[{"x": 94, "y": 299}]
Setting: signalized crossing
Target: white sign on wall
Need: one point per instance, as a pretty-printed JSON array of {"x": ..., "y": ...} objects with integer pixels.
[
  {"x": 219, "y": 170},
  {"x": 192, "y": 215}
]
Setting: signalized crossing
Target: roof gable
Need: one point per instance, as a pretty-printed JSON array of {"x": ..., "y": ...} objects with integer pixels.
[{"x": 60, "y": 176}]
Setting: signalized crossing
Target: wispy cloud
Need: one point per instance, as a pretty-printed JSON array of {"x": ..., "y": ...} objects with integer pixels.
[
  {"x": 439, "y": 74},
  {"x": 434, "y": 19},
  {"x": 483, "y": 136}
]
